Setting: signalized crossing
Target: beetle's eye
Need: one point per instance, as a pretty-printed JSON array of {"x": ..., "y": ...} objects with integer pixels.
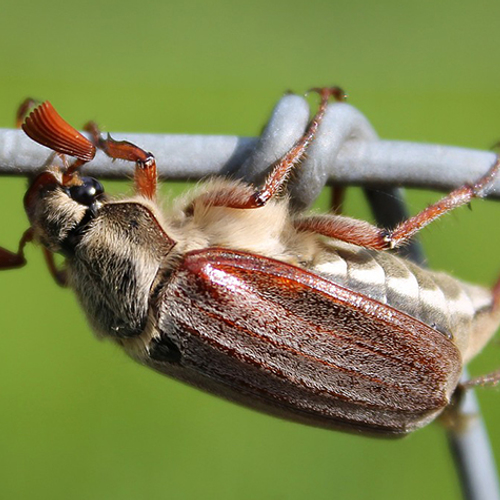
[{"x": 87, "y": 192}]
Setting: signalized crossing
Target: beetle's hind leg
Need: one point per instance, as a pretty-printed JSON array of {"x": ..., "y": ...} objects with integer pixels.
[
  {"x": 366, "y": 235},
  {"x": 145, "y": 171},
  {"x": 489, "y": 380}
]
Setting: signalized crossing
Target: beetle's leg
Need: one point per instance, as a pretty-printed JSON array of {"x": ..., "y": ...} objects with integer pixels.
[
  {"x": 11, "y": 260},
  {"x": 45, "y": 126},
  {"x": 337, "y": 199},
  {"x": 251, "y": 198},
  {"x": 496, "y": 295},
  {"x": 59, "y": 275},
  {"x": 490, "y": 379},
  {"x": 145, "y": 172},
  {"x": 282, "y": 170},
  {"x": 366, "y": 235}
]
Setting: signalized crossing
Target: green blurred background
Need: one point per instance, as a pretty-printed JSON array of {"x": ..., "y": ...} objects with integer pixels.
[{"x": 78, "y": 419}]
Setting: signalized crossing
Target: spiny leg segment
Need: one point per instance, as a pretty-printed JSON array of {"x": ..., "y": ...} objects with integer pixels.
[
  {"x": 248, "y": 198},
  {"x": 366, "y": 235},
  {"x": 145, "y": 173}
]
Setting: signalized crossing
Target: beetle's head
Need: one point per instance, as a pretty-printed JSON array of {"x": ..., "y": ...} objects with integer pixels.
[
  {"x": 59, "y": 208},
  {"x": 59, "y": 200}
]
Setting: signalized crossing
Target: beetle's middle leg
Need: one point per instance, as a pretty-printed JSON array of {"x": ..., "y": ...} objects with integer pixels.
[
  {"x": 247, "y": 197},
  {"x": 366, "y": 235},
  {"x": 145, "y": 172}
]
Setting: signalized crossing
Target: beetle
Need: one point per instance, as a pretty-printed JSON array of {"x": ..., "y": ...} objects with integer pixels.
[{"x": 310, "y": 318}]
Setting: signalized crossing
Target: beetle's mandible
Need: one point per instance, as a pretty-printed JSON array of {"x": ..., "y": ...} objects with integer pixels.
[{"x": 310, "y": 318}]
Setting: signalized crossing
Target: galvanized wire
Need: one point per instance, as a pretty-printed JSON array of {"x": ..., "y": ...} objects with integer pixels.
[{"x": 346, "y": 151}]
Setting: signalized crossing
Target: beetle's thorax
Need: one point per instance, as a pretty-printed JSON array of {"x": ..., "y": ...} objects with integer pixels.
[
  {"x": 266, "y": 231},
  {"x": 115, "y": 264}
]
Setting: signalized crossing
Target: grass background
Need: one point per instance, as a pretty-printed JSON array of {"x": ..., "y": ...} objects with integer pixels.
[{"x": 81, "y": 421}]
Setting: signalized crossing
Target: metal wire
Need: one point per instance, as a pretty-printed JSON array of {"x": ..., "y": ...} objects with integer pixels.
[
  {"x": 472, "y": 452},
  {"x": 345, "y": 151}
]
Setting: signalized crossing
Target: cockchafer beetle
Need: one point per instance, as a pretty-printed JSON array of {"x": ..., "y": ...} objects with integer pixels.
[{"x": 305, "y": 317}]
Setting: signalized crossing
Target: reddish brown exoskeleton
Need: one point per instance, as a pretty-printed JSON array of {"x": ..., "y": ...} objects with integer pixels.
[{"x": 307, "y": 318}]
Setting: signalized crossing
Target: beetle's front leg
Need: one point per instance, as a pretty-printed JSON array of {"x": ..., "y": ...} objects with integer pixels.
[
  {"x": 366, "y": 235},
  {"x": 60, "y": 275},
  {"x": 145, "y": 177},
  {"x": 11, "y": 260}
]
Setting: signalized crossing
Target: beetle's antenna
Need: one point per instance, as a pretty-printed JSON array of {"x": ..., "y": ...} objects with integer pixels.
[{"x": 45, "y": 126}]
